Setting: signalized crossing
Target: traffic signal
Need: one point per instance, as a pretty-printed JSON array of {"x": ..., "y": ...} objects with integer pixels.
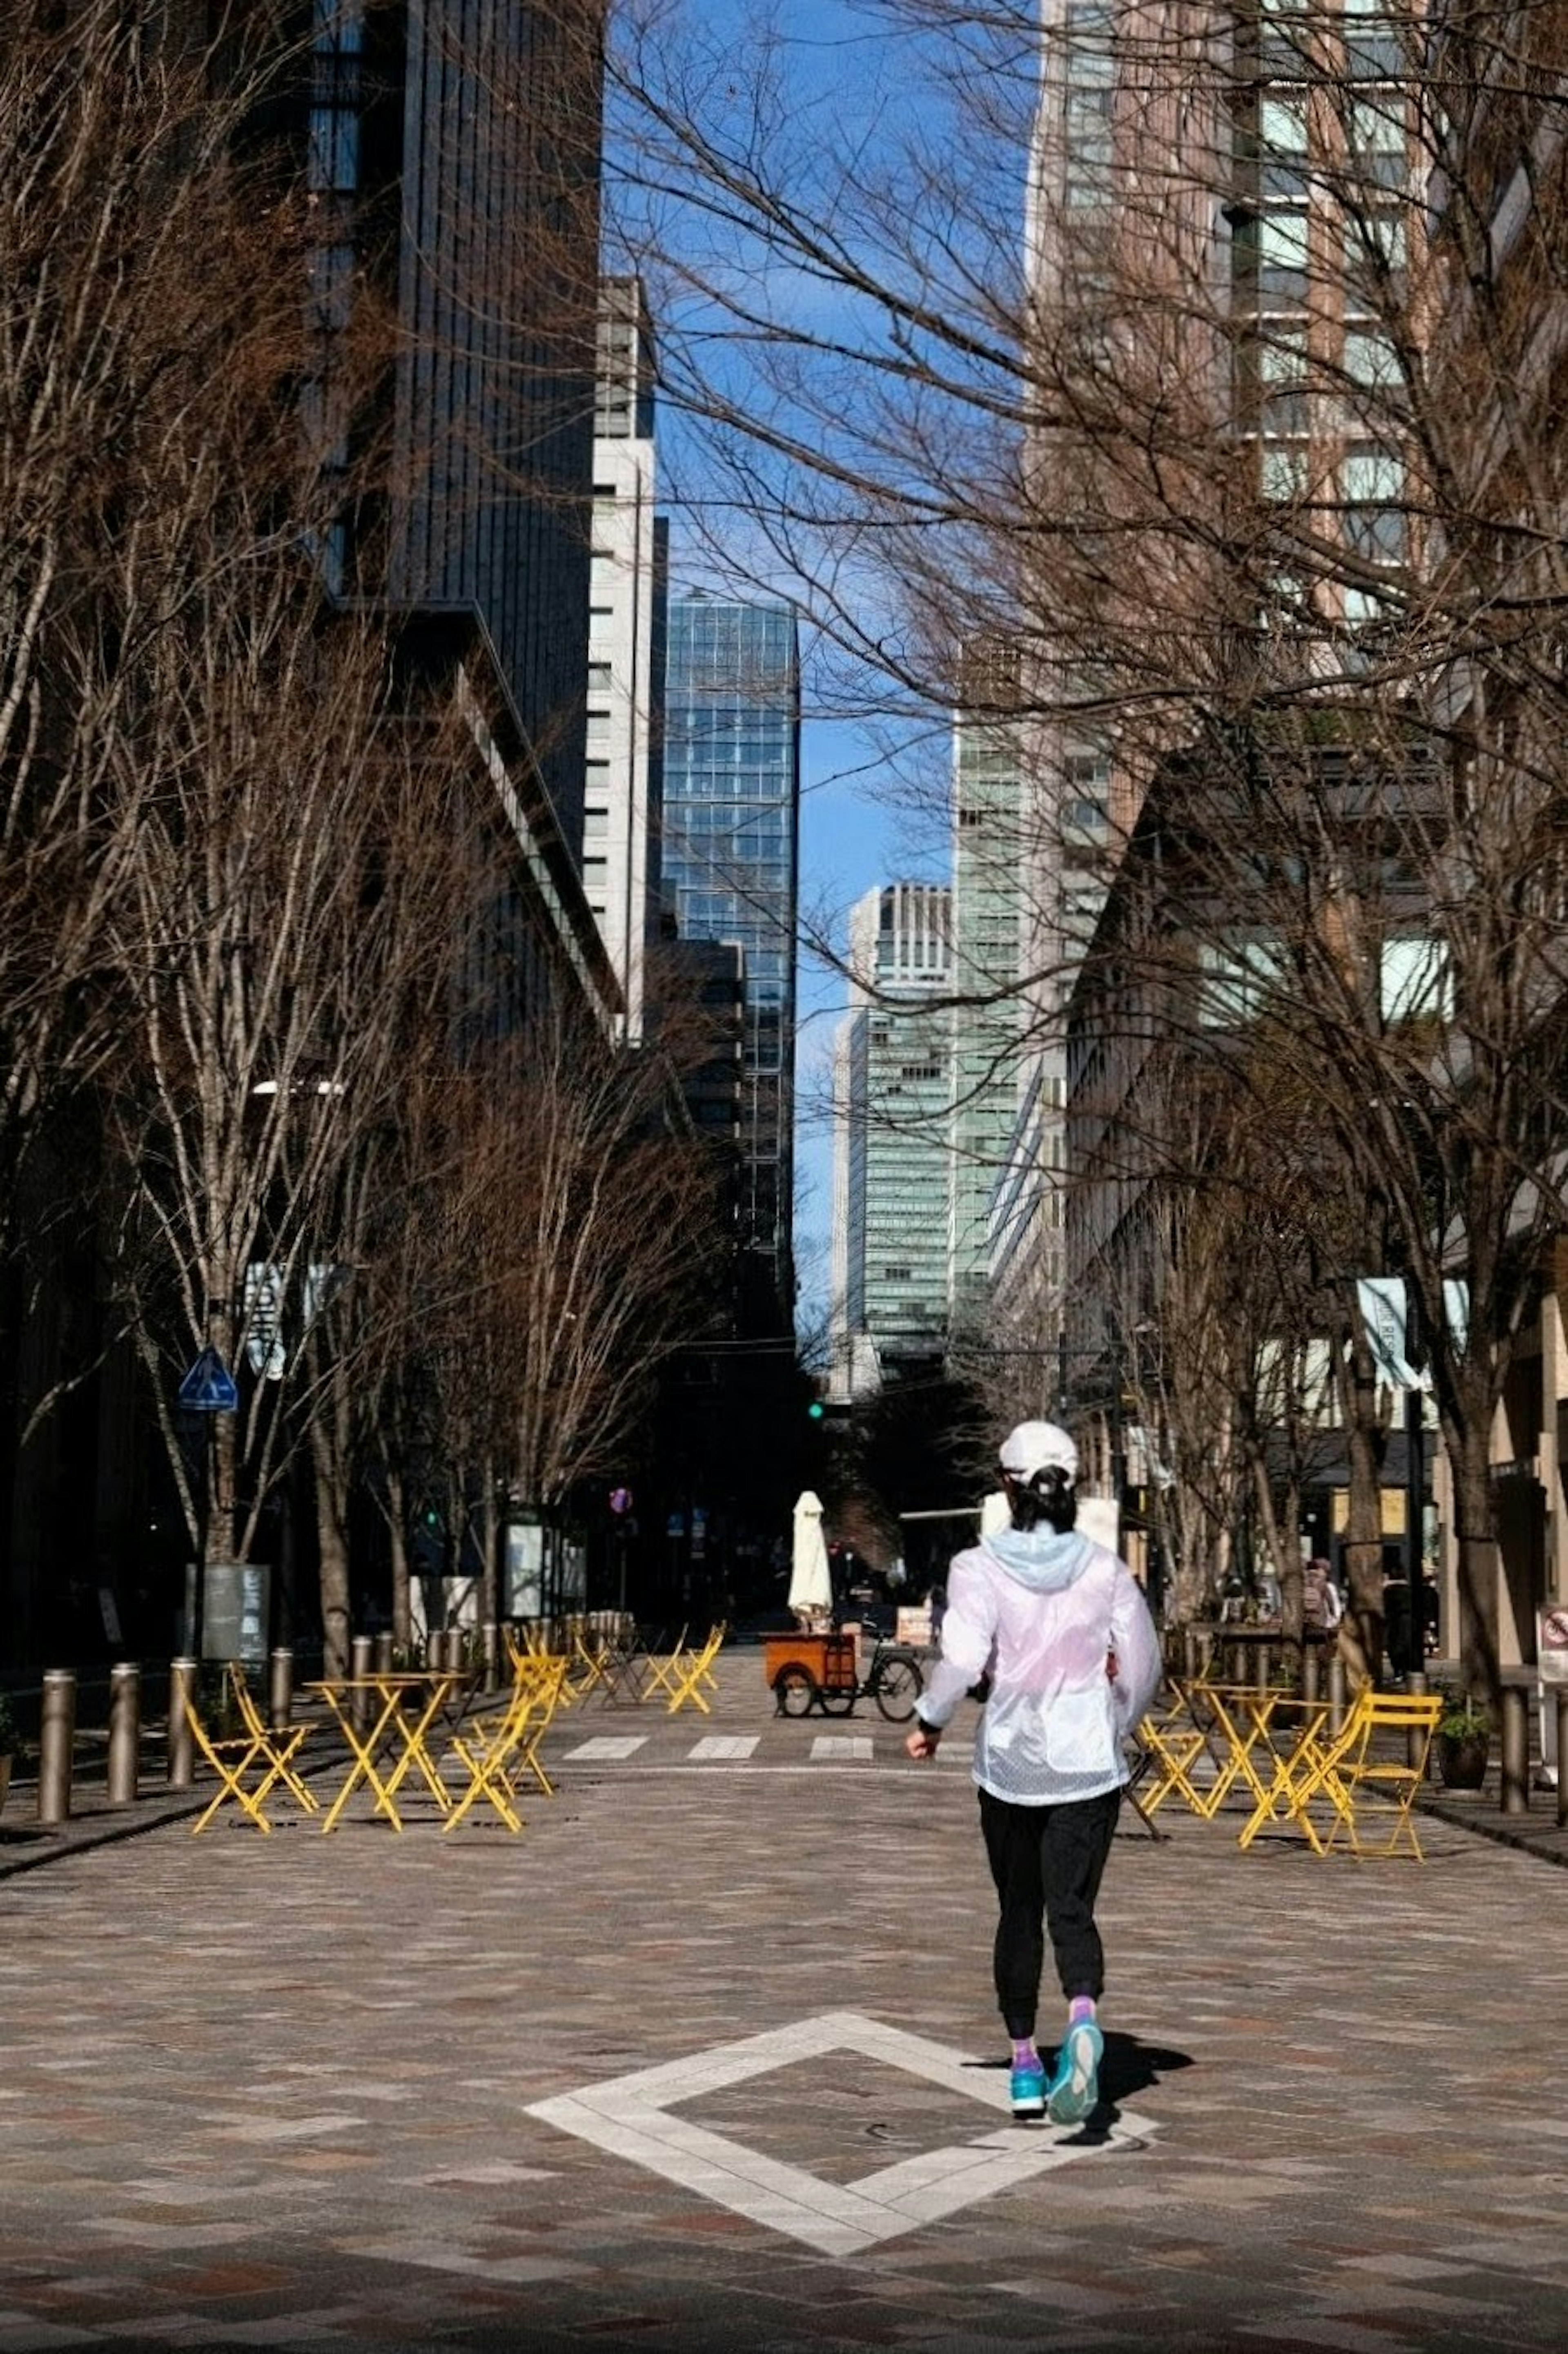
[{"x": 816, "y": 1410}]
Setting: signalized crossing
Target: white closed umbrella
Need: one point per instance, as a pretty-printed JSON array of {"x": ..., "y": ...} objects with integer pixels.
[{"x": 811, "y": 1580}]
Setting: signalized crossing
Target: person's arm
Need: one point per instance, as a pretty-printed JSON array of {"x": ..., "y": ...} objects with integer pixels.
[
  {"x": 968, "y": 1634},
  {"x": 1135, "y": 1647}
]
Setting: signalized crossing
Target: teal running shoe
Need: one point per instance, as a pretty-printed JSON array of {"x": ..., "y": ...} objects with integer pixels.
[
  {"x": 1074, "y": 2088},
  {"x": 1029, "y": 2091}
]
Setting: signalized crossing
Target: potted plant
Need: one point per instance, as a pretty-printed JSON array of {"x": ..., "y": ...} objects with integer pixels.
[
  {"x": 1464, "y": 1740},
  {"x": 7, "y": 1745}
]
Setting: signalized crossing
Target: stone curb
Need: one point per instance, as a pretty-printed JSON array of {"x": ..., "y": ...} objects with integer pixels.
[
  {"x": 54, "y": 1843},
  {"x": 1545, "y": 1846}
]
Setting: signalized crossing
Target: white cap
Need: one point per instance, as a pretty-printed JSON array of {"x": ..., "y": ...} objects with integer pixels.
[{"x": 1038, "y": 1446}]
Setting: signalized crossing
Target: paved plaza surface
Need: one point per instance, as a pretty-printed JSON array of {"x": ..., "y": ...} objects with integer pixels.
[{"x": 708, "y": 2058}]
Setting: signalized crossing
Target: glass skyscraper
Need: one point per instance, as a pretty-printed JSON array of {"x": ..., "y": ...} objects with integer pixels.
[
  {"x": 893, "y": 1157},
  {"x": 732, "y": 777}
]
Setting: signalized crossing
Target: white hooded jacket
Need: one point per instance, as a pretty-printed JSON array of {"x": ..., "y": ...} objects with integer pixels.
[{"x": 1041, "y": 1612}]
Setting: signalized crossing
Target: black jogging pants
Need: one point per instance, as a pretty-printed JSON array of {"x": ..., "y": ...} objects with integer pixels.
[{"x": 1047, "y": 1863}]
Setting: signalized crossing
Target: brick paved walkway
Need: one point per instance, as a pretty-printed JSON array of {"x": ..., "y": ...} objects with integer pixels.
[{"x": 285, "y": 2093}]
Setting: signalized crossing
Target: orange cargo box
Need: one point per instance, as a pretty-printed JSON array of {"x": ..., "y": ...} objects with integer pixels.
[{"x": 828, "y": 1660}]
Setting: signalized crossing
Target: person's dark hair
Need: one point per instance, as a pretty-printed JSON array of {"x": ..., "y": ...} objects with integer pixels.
[{"x": 1047, "y": 1497}]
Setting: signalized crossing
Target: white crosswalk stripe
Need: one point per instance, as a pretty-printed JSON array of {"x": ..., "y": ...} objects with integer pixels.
[
  {"x": 842, "y": 1744},
  {"x": 728, "y": 1747},
  {"x": 608, "y": 1745}
]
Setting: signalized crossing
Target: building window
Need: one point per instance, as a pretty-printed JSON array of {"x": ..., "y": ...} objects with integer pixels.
[
  {"x": 1374, "y": 50},
  {"x": 1282, "y": 256},
  {"x": 1236, "y": 983},
  {"x": 1373, "y": 486},
  {"x": 1416, "y": 981},
  {"x": 1282, "y": 139}
]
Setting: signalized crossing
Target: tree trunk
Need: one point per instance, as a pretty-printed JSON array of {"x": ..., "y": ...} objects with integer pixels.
[
  {"x": 1475, "y": 1519},
  {"x": 397, "y": 1539},
  {"x": 331, "y": 1540},
  {"x": 1282, "y": 1548}
]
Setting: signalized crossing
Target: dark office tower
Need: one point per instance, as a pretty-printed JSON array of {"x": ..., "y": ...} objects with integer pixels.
[
  {"x": 453, "y": 155},
  {"x": 732, "y": 773}
]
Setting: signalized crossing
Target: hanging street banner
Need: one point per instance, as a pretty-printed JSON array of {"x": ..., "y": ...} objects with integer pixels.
[{"x": 1381, "y": 1299}]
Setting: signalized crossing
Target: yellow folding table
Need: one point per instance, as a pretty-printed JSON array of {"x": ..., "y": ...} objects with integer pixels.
[
  {"x": 1226, "y": 1725},
  {"x": 394, "y": 1740}
]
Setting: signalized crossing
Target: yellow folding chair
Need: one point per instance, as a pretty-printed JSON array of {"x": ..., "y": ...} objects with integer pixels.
[
  {"x": 692, "y": 1672},
  {"x": 661, "y": 1668},
  {"x": 536, "y": 1653},
  {"x": 497, "y": 1750},
  {"x": 232, "y": 1758},
  {"x": 280, "y": 1742},
  {"x": 1376, "y": 1780},
  {"x": 591, "y": 1660},
  {"x": 1173, "y": 1744}
]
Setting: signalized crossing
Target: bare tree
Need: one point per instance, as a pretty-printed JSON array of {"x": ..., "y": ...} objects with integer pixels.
[
  {"x": 581, "y": 1191},
  {"x": 107, "y": 145}
]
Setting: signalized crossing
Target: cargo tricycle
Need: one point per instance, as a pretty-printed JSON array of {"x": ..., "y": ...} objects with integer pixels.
[{"x": 806, "y": 1672}]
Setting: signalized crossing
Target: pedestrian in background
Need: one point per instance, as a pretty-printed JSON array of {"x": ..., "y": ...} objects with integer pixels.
[
  {"x": 1060, "y": 1627},
  {"x": 1321, "y": 1606}
]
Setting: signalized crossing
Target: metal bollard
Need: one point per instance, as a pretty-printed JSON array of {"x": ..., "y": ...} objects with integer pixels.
[
  {"x": 57, "y": 1744},
  {"x": 1515, "y": 1799},
  {"x": 1311, "y": 1672},
  {"x": 1561, "y": 1698},
  {"x": 124, "y": 1733},
  {"x": 360, "y": 1663},
  {"x": 1264, "y": 1669},
  {"x": 1191, "y": 1654},
  {"x": 280, "y": 1688},
  {"x": 490, "y": 1637},
  {"x": 182, "y": 1746},
  {"x": 383, "y": 1652},
  {"x": 436, "y": 1649},
  {"x": 1336, "y": 1695}
]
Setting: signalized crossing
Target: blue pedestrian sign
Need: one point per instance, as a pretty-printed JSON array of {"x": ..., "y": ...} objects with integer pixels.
[{"x": 208, "y": 1388}]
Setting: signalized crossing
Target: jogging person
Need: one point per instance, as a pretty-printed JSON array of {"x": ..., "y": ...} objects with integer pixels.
[{"x": 1060, "y": 1627}]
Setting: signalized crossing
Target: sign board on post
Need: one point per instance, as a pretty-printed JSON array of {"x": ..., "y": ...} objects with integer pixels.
[
  {"x": 1551, "y": 1644},
  {"x": 210, "y": 1386},
  {"x": 236, "y": 1595},
  {"x": 522, "y": 1585}
]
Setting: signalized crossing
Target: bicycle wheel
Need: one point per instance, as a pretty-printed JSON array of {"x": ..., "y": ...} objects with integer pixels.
[
  {"x": 794, "y": 1691},
  {"x": 895, "y": 1685}
]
